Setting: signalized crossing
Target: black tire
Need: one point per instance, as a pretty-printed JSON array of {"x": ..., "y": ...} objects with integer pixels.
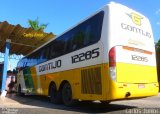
[
  {"x": 55, "y": 96},
  {"x": 67, "y": 95},
  {"x": 20, "y": 91}
]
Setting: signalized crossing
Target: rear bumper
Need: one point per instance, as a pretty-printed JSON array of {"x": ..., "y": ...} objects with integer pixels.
[{"x": 129, "y": 91}]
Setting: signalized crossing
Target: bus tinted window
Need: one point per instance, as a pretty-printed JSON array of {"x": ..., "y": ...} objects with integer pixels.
[
  {"x": 58, "y": 47},
  {"x": 85, "y": 34}
]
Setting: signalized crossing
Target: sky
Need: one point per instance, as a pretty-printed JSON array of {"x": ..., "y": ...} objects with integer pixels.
[{"x": 63, "y": 14}]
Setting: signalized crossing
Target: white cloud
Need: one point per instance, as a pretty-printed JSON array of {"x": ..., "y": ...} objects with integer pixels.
[
  {"x": 158, "y": 12},
  {"x": 158, "y": 23}
]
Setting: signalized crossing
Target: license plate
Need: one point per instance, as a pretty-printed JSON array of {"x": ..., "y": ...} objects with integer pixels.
[{"x": 141, "y": 86}]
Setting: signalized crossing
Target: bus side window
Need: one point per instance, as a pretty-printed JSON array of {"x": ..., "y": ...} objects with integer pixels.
[
  {"x": 24, "y": 64},
  {"x": 46, "y": 53},
  {"x": 51, "y": 55},
  {"x": 57, "y": 49},
  {"x": 42, "y": 59},
  {"x": 38, "y": 56},
  {"x": 87, "y": 35},
  {"x": 65, "y": 43},
  {"x": 69, "y": 42},
  {"x": 35, "y": 58},
  {"x": 78, "y": 38},
  {"x": 78, "y": 41}
]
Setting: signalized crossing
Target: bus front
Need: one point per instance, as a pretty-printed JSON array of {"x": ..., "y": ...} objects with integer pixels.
[{"x": 131, "y": 55}]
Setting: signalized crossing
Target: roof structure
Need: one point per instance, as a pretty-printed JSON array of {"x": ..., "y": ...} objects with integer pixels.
[{"x": 23, "y": 40}]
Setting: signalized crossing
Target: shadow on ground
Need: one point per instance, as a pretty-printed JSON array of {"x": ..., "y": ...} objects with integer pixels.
[{"x": 82, "y": 107}]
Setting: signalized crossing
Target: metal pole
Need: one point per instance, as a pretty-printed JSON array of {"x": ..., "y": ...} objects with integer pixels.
[{"x": 5, "y": 67}]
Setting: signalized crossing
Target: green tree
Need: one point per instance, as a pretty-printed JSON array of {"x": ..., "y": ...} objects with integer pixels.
[
  {"x": 34, "y": 24},
  {"x": 157, "y": 44}
]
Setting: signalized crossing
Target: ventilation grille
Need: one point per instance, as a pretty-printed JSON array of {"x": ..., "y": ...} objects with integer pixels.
[{"x": 91, "y": 81}]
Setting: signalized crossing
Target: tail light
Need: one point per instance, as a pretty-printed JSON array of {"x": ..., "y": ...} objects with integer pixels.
[
  {"x": 112, "y": 63},
  {"x": 112, "y": 57}
]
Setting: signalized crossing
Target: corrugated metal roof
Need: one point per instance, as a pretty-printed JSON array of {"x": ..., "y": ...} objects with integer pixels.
[{"x": 23, "y": 40}]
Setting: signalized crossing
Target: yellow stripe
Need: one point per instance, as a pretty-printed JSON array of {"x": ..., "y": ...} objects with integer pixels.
[{"x": 110, "y": 90}]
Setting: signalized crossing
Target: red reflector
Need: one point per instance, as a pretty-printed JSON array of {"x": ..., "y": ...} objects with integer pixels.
[{"x": 112, "y": 57}]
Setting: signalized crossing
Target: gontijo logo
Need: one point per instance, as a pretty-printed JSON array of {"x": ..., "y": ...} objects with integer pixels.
[{"x": 136, "y": 18}]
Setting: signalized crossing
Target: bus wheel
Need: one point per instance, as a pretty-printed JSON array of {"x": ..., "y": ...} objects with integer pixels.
[
  {"x": 55, "y": 96},
  {"x": 67, "y": 95},
  {"x": 20, "y": 91}
]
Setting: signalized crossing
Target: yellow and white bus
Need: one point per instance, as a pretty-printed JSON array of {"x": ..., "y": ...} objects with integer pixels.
[{"x": 108, "y": 56}]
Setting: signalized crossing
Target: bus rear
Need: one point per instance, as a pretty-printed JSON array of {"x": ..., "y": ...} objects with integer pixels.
[{"x": 131, "y": 54}]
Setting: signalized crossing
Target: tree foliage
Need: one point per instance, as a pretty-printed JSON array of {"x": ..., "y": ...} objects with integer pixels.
[
  {"x": 158, "y": 45},
  {"x": 34, "y": 24}
]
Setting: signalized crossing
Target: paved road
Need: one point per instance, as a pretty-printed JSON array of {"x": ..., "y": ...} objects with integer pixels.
[{"x": 41, "y": 105}]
